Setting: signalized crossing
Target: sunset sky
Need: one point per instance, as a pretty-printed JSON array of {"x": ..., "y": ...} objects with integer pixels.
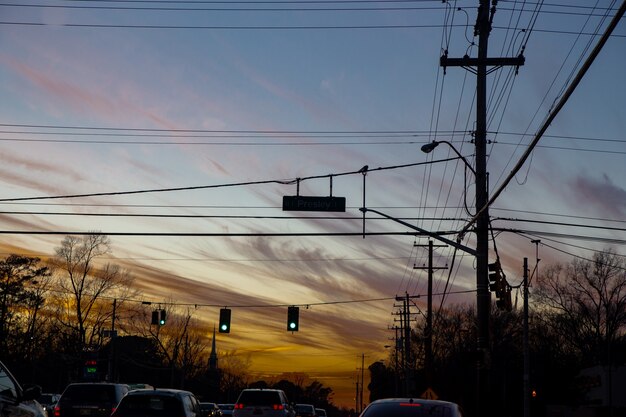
[{"x": 217, "y": 108}]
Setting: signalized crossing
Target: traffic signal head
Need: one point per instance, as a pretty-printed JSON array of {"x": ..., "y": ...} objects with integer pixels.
[
  {"x": 292, "y": 318},
  {"x": 155, "y": 317},
  {"x": 224, "y": 320},
  {"x": 163, "y": 318},
  {"x": 495, "y": 276},
  {"x": 503, "y": 301}
]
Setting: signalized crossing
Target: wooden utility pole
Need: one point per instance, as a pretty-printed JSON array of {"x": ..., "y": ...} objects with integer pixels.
[
  {"x": 479, "y": 66},
  {"x": 428, "y": 331},
  {"x": 526, "y": 347},
  {"x": 405, "y": 331}
]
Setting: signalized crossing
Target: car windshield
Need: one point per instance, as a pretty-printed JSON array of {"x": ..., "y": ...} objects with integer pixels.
[
  {"x": 90, "y": 393},
  {"x": 407, "y": 409},
  {"x": 149, "y": 405},
  {"x": 268, "y": 398}
]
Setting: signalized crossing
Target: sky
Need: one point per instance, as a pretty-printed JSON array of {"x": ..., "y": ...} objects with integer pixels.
[{"x": 210, "y": 112}]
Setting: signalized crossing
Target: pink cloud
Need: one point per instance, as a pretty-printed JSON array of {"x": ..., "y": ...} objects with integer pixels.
[
  {"x": 11, "y": 177},
  {"x": 86, "y": 100},
  {"x": 603, "y": 194},
  {"x": 39, "y": 166}
]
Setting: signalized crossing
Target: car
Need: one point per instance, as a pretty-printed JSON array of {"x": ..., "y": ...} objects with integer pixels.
[
  {"x": 16, "y": 401},
  {"x": 93, "y": 399},
  {"x": 48, "y": 401},
  {"x": 261, "y": 402},
  {"x": 158, "y": 402},
  {"x": 304, "y": 410},
  {"x": 227, "y": 409},
  {"x": 320, "y": 412},
  {"x": 411, "y": 407},
  {"x": 210, "y": 409}
]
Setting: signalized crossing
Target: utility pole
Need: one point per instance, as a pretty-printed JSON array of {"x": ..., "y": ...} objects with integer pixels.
[
  {"x": 483, "y": 297},
  {"x": 428, "y": 331},
  {"x": 405, "y": 328},
  {"x": 112, "y": 368},
  {"x": 526, "y": 347},
  {"x": 356, "y": 397},
  {"x": 362, "y": 380},
  {"x": 396, "y": 348}
]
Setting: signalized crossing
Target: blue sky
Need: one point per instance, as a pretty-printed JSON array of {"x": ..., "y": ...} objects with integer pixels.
[{"x": 125, "y": 97}]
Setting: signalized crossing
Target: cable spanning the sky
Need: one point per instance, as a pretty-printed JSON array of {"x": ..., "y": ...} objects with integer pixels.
[{"x": 229, "y": 185}]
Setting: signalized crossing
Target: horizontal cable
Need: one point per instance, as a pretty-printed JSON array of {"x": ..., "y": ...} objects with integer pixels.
[{"x": 238, "y": 184}]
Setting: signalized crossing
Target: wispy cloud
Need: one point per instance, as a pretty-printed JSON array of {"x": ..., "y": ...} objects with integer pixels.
[{"x": 602, "y": 194}]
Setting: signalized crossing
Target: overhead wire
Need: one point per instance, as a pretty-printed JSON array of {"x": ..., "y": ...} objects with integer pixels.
[
  {"x": 224, "y": 185},
  {"x": 100, "y": 131},
  {"x": 434, "y": 118},
  {"x": 445, "y": 253}
]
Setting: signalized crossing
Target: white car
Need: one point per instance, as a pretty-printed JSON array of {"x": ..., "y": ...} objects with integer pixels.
[{"x": 15, "y": 401}]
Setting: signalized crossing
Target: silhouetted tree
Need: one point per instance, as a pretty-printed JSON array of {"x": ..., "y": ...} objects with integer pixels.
[
  {"x": 585, "y": 302},
  {"x": 84, "y": 283},
  {"x": 382, "y": 381},
  {"x": 22, "y": 284}
]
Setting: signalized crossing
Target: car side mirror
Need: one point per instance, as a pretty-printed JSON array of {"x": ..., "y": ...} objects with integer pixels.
[{"x": 31, "y": 392}]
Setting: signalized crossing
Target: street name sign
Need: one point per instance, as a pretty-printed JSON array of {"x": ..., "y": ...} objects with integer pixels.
[{"x": 308, "y": 203}]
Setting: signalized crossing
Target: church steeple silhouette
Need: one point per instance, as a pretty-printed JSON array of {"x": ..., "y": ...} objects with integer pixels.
[{"x": 213, "y": 355}]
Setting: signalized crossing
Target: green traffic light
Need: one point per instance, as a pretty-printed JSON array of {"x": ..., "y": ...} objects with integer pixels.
[
  {"x": 224, "y": 320},
  {"x": 292, "y": 318}
]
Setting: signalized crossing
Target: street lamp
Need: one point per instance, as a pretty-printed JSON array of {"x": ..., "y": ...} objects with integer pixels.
[{"x": 429, "y": 147}]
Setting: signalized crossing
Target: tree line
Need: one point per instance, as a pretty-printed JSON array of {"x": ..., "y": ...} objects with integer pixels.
[
  {"x": 577, "y": 322},
  {"x": 73, "y": 317}
]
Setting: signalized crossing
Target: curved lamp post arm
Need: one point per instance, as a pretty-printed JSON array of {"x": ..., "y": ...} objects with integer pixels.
[{"x": 428, "y": 148}]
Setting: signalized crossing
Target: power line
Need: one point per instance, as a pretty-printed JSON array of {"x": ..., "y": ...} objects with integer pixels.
[
  {"x": 299, "y": 8},
  {"x": 237, "y": 184},
  {"x": 620, "y": 229},
  {"x": 225, "y": 234},
  {"x": 278, "y": 305},
  {"x": 258, "y": 27},
  {"x": 216, "y": 27},
  {"x": 562, "y": 235}
]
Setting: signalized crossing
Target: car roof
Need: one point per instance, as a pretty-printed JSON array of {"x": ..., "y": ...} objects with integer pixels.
[
  {"x": 263, "y": 389},
  {"x": 97, "y": 383},
  {"x": 158, "y": 391},
  {"x": 420, "y": 400}
]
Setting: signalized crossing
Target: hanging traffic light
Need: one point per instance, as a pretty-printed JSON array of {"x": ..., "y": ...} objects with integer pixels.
[
  {"x": 503, "y": 302},
  {"x": 155, "y": 317},
  {"x": 163, "y": 317},
  {"x": 224, "y": 320},
  {"x": 495, "y": 277},
  {"x": 292, "y": 318}
]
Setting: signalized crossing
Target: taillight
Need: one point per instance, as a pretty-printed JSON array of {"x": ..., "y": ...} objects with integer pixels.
[
  {"x": 278, "y": 407},
  {"x": 239, "y": 406},
  {"x": 57, "y": 411}
]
